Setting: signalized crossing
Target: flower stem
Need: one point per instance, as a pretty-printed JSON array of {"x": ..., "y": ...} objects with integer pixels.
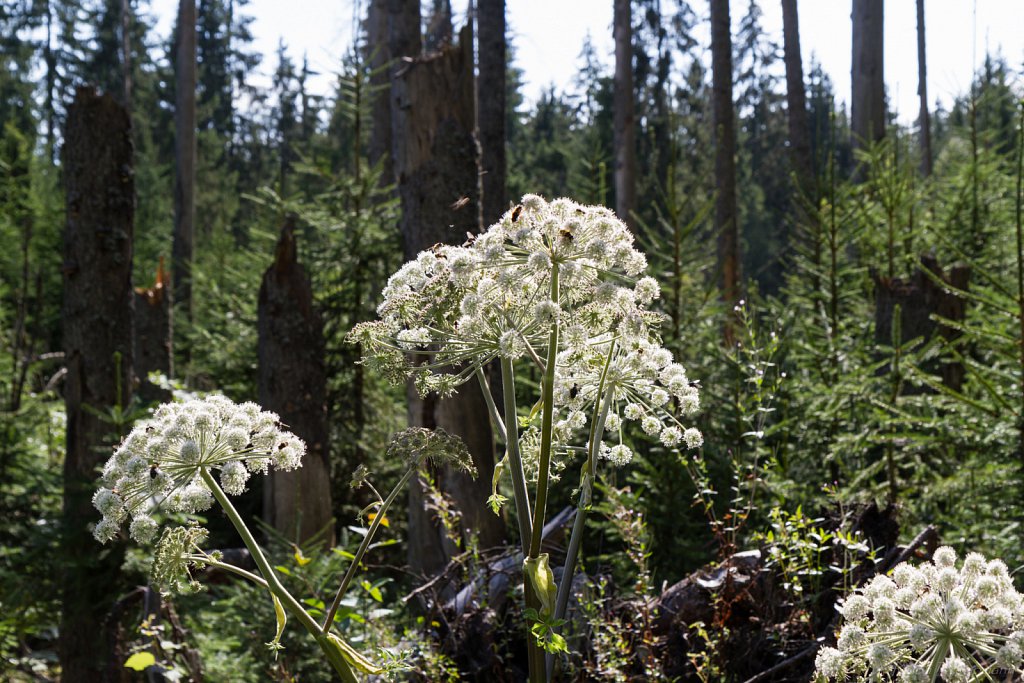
[
  {"x": 583, "y": 505},
  {"x": 209, "y": 561},
  {"x": 538, "y": 669},
  {"x": 521, "y": 495},
  {"x": 273, "y": 583},
  {"x": 364, "y": 546},
  {"x": 492, "y": 409},
  {"x": 547, "y": 416}
]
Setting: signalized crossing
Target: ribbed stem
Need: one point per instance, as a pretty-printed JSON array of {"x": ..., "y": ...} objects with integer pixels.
[
  {"x": 492, "y": 409},
  {"x": 546, "y": 427},
  {"x": 515, "y": 461}
]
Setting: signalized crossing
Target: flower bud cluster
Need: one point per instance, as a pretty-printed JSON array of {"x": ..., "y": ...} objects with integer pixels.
[
  {"x": 157, "y": 466},
  {"x": 936, "y": 620},
  {"x": 543, "y": 264}
]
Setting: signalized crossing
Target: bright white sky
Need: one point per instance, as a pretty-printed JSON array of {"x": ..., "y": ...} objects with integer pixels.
[{"x": 548, "y": 36}]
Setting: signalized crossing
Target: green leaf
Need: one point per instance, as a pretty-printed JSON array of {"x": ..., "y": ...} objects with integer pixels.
[
  {"x": 282, "y": 619},
  {"x": 140, "y": 661},
  {"x": 373, "y": 591},
  {"x": 542, "y": 580}
]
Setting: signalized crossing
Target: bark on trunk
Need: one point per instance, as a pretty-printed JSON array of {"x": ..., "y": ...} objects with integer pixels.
[
  {"x": 153, "y": 335},
  {"x": 126, "y": 53},
  {"x": 796, "y": 100},
  {"x": 867, "y": 106},
  {"x": 624, "y": 123},
  {"x": 393, "y": 28},
  {"x": 292, "y": 383},
  {"x": 185, "y": 158},
  {"x": 436, "y": 162},
  {"x": 924, "y": 120},
  {"x": 726, "y": 223},
  {"x": 97, "y": 321},
  {"x": 491, "y": 107}
]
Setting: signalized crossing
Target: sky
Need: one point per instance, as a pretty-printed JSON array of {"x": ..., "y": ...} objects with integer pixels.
[{"x": 548, "y": 36}]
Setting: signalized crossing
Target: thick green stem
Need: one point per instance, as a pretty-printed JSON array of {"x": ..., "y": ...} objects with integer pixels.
[
  {"x": 273, "y": 583},
  {"x": 582, "y": 507},
  {"x": 538, "y": 668},
  {"x": 364, "y": 546},
  {"x": 515, "y": 461},
  {"x": 546, "y": 429}
]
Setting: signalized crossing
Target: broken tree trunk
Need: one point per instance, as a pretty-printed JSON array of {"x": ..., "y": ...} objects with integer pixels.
[
  {"x": 97, "y": 321},
  {"x": 436, "y": 159},
  {"x": 293, "y": 384}
]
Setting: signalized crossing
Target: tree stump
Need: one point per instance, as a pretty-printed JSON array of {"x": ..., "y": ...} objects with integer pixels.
[{"x": 919, "y": 298}]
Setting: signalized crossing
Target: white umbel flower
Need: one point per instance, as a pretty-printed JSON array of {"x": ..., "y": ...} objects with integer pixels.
[
  {"x": 545, "y": 266},
  {"x": 928, "y": 621},
  {"x": 156, "y": 469}
]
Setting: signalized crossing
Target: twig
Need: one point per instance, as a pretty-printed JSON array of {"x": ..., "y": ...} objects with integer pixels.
[
  {"x": 786, "y": 663},
  {"x": 928, "y": 535}
]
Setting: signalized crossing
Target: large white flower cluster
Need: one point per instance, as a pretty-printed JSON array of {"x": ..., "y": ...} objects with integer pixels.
[
  {"x": 543, "y": 264},
  {"x": 157, "y": 466},
  {"x": 937, "y": 620}
]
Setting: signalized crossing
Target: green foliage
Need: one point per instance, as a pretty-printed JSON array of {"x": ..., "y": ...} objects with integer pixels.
[
  {"x": 31, "y": 453},
  {"x": 803, "y": 550},
  {"x": 813, "y": 394},
  {"x": 233, "y": 621}
]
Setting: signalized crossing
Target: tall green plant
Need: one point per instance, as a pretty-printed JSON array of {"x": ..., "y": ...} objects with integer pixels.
[{"x": 557, "y": 286}]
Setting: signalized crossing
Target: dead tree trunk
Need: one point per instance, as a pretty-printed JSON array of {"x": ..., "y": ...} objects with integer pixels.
[
  {"x": 726, "y": 220},
  {"x": 393, "y": 28},
  {"x": 292, "y": 383},
  {"x": 867, "y": 105},
  {"x": 491, "y": 107},
  {"x": 624, "y": 123},
  {"x": 924, "y": 120},
  {"x": 378, "y": 57},
  {"x": 185, "y": 158},
  {"x": 97, "y": 321},
  {"x": 436, "y": 163},
  {"x": 153, "y": 335}
]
